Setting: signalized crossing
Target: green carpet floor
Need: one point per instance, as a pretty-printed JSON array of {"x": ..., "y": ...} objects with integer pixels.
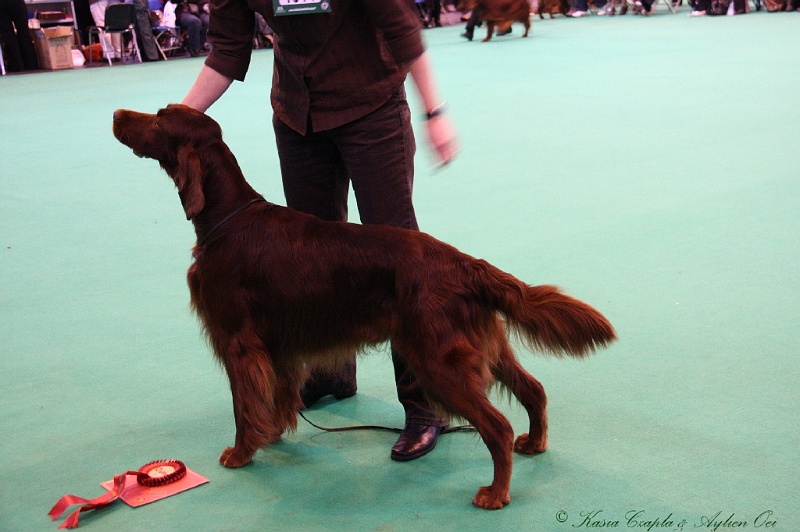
[{"x": 649, "y": 166}]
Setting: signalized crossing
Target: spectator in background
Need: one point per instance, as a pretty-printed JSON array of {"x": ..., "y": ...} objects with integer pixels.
[
  {"x": 580, "y": 8},
  {"x": 192, "y": 16},
  {"x": 434, "y": 8},
  {"x": 643, "y": 7},
  {"x": 700, "y": 8},
  {"x": 144, "y": 30},
  {"x": 111, "y": 44},
  {"x": 473, "y": 21},
  {"x": 18, "y": 47},
  {"x": 611, "y": 7}
]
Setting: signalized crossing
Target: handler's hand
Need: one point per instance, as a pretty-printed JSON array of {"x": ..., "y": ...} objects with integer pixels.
[{"x": 443, "y": 138}]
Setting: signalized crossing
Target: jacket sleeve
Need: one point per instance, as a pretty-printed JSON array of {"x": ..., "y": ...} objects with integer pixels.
[
  {"x": 400, "y": 26},
  {"x": 230, "y": 33}
]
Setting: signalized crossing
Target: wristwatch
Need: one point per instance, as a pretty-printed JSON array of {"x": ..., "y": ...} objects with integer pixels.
[{"x": 436, "y": 111}]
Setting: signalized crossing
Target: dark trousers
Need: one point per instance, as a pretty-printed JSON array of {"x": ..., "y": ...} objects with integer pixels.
[
  {"x": 434, "y": 8},
  {"x": 376, "y": 155},
  {"x": 196, "y": 26},
  {"x": 144, "y": 30},
  {"x": 473, "y": 20},
  {"x": 18, "y": 48},
  {"x": 583, "y": 5}
]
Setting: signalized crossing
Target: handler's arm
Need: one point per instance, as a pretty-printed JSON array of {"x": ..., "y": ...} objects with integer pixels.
[
  {"x": 207, "y": 89},
  {"x": 441, "y": 132}
]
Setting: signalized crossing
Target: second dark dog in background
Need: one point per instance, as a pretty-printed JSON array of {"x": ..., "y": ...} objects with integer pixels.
[
  {"x": 500, "y": 14},
  {"x": 552, "y": 7}
]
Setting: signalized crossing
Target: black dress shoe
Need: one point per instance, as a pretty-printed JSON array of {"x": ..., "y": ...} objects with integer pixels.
[
  {"x": 504, "y": 32},
  {"x": 415, "y": 441},
  {"x": 468, "y": 34}
]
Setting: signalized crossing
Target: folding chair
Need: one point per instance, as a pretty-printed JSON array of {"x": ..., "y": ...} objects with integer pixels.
[
  {"x": 169, "y": 39},
  {"x": 120, "y": 20}
]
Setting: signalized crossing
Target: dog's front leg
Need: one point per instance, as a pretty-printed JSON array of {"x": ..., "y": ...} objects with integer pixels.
[{"x": 252, "y": 379}]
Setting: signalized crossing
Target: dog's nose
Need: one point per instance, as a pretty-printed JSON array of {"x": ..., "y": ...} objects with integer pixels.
[{"x": 117, "y": 114}]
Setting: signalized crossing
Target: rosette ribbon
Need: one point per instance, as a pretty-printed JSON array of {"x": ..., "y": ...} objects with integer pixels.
[
  {"x": 153, "y": 474},
  {"x": 88, "y": 504}
]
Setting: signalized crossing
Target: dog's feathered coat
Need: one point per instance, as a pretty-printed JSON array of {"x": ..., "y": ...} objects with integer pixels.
[{"x": 277, "y": 291}]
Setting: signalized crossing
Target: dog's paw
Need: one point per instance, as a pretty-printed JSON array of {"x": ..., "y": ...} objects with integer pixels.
[
  {"x": 526, "y": 445},
  {"x": 488, "y": 499},
  {"x": 231, "y": 457}
]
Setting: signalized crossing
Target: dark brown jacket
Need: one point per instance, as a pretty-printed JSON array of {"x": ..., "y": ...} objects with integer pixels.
[{"x": 332, "y": 67}]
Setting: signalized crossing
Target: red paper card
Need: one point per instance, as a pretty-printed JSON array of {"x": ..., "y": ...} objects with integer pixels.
[{"x": 135, "y": 495}]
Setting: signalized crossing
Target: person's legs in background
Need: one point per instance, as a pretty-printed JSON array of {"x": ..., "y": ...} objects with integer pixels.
[
  {"x": 473, "y": 20},
  {"x": 18, "y": 48},
  {"x": 144, "y": 31},
  {"x": 434, "y": 8},
  {"x": 111, "y": 43},
  {"x": 204, "y": 18},
  {"x": 195, "y": 32}
]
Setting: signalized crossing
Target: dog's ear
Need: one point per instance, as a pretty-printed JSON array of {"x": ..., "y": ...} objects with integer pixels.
[{"x": 189, "y": 180}]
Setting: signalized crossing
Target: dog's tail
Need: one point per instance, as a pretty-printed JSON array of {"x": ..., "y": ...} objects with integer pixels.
[{"x": 543, "y": 317}]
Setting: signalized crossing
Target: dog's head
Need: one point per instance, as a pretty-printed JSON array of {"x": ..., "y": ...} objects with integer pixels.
[{"x": 176, "y": 137}]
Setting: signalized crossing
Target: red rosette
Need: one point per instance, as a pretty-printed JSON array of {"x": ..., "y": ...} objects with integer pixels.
[
  {"x": 152, "y": 475},
  {"x": 160, "y": 473}
]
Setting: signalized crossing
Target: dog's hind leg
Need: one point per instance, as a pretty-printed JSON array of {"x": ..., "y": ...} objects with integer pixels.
[
  {"x": 530, "y": 394},
  {"x": 252, "y": 379},
  {"x": 489, "y": 30},
  {"x": 458, "y": 379},
  {"x": 526, "y": 20}
]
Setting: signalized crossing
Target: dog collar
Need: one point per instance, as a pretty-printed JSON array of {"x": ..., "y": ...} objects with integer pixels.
[{"x": 227, "y": 219}]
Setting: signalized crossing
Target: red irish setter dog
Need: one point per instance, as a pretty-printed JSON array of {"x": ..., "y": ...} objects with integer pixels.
[
  {"x": 278, "y": 291},
  {"x": 499, "y": 13}
]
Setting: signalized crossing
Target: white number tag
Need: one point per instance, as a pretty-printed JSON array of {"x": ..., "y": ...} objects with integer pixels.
[{"x": 300, "y": 7}]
